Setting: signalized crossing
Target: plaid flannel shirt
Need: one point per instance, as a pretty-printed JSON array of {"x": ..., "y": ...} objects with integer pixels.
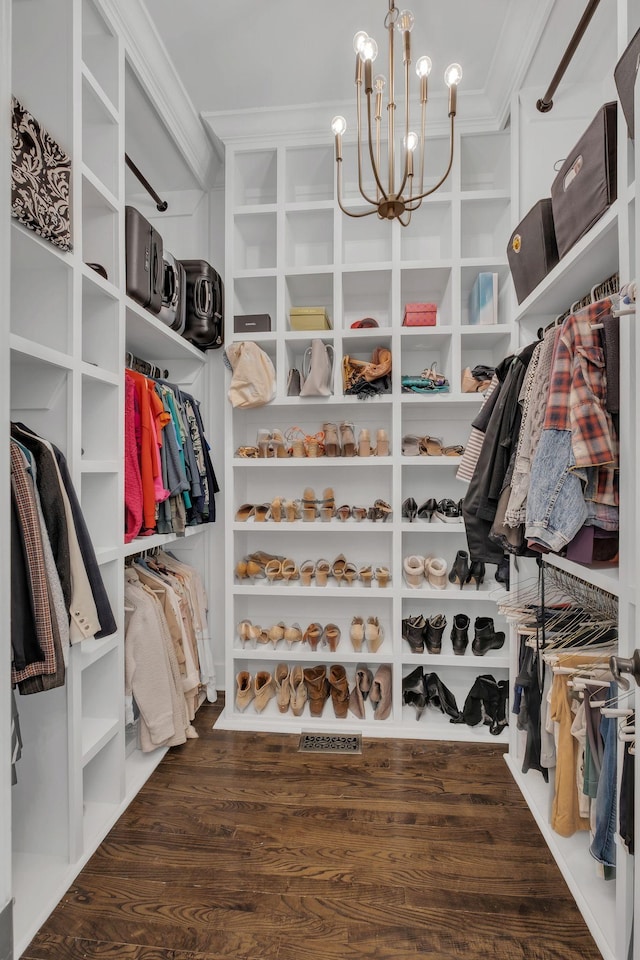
[{"x": 577, "y": 398}]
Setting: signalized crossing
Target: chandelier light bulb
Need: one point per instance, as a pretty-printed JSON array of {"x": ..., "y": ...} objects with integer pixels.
[
  {"x": 368, "y": 50},
  {"x": 423, "y": 66},
  {"x": 379, "y": 83},
  {"x": 453, "y": 75},
  {"x": 338, "y": 126},
  {"x": 405, "y": 21},
  {"x": 359, "y": 39},
  {"x": 410, "y": 141}
]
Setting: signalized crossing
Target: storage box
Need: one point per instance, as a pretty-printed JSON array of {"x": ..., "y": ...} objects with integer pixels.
[
  {"x": 483, "y": 301},
  {"x": 309, "y": 318},
  {"x": 420, "y": 315},
  {"x": 252, "y": 323},
  {"x": 532, "y": 250},
  {"x": 625, "y": 75},
  {"x": 586, "y": 184}
]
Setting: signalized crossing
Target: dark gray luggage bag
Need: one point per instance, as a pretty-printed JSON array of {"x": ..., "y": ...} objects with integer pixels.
[
  {"x": 204, "y": 320},
  {"x": 143, "y": 247},
  {"x": 172, "y": 311}
]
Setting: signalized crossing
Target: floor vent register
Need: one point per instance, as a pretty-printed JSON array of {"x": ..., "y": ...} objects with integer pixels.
[{"x": 330, "y": 743}]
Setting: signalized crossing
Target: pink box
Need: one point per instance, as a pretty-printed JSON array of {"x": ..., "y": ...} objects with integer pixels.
[{"x": 420, "y": 315}]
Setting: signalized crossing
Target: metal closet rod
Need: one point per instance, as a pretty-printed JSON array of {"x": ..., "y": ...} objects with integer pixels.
[
  {"x": 545, "y": 103},
  {"x": 160, "y": 203}
]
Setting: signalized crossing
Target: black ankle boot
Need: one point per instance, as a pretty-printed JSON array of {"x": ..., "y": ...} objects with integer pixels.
[
  {"x": 413, "y": 629},
  {"x": 476, "y": 573},
  {"x": 459, "y": 572},
  {"x": 414, "y": 691},
  {"x": 434, "y": 631},
  {"x": 486, "y": 638},
  {"x": 503, "y": 572},
  {"x": 460, "y": 634},
  {"x": 441, "y": 697}
]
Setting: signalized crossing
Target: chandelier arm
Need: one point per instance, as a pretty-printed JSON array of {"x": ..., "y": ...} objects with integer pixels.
[
  {"x": 406, "y": 128},
  {"x": 428, "y": 193},
  {"x": 405, "y": 223},
  {"x": 423, "y": 130},
  {"x": 360, "y": 187},
  {"x": 373, "y": 162},
  {"x": 349, "y": 213}
]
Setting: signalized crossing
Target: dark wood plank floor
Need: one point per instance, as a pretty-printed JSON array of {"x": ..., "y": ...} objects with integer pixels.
[{"x": 240, "y": 848}]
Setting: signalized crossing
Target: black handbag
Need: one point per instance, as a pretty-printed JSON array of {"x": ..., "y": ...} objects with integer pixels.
[
  {"x": 586, "y": 184},
  {"x": 40, "y": 179},
  {"x": 532, "y": 250},
  {"x": 625, "y": 75}
]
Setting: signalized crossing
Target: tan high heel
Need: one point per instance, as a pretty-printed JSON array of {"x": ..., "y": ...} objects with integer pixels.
[
  {"x": 244, "y": 512},
  {"x": 275, "y": 633},
  {"x": 241, "y": 569},
  {"x": 350, "y": 572},
  {"x": 366, "y": 574},
  {"x": 273, "y": 571},
  {"x": 356, "y": 633},
  {"x": 307, "y": 572},
  {"x": 292, "y": 510},
  {"x": 348, "y": 440},
  {"x": 261, "y": 512},
  {"x": 278, "y": 445},
  {"x": 331, "y": 441},
  {"x": 313, "y": 635},
  {"x": 383, "y": 575},
  {"x": 298, "y": 691},
  {"x": 244, "y": 690},
  {"x": 244, "y": 629},
  {"x": 382, "y": 443},
  {"x": 277, "y": 505},
  {"x": 337, "y": 568},
  {"x": 364, "y": 443},
  {"x": 264, "y": 443},
  {"x": 374, "y": 634},
  {"x": 323, "y": 569},
  {"x": 292, "y": 634},
  {"x": 264, "y": 689},
  {"x": 331, "y": 636},
  {"x": 309, "y": 505},
  {"x": 289, "y": 570},
  {"x": 295, "y": 439},
  {"x": 283, "y": 687},
  {"x": 327, "y": 505}
]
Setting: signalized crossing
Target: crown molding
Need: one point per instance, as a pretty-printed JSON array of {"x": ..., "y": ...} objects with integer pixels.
[{"x": 150, "y": 61}]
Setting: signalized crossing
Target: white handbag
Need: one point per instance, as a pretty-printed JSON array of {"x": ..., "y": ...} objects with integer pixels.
[{"x": 317, "y": 370}]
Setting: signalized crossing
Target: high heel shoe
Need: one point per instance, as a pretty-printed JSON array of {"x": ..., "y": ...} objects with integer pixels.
[
  {"x": 327, "y": 505},
  {"x": 331, "y": 441},
  {"x": 277, "y": 443},
  {"x": 360, "y": 692},
  {"x": 337, "y": 568},
  {"x": 356, "y": 633},
  {"x": 275, "y": 633},
  {"x": 409, "y": 509},
  {"x": 244, "y": 690},
  {"x": 460, "y": 569},
  {"x": 364, "y": 443},
  {"x": 273, "y": 571},
  {"x": 313, "y": 635},
  {"x": 263, "y": 443},
  {"x": 414, "y": 691},
  {"x": 276, "y": 511},
  {"x": 366, "y": 574},
  {"x": 381, "y": 510},
  {"x": 309, "y": 505},
  {"x": 380, "y": 694},
  {"x": 292, "y": 634},
  {"x": 292, "y": 510},
  {"x": 350, "y": 572},
  {"x": 307, "y": 572},
  {"x": 382, "y": 443},
  {"x": 331, "y": 636},
  {"x": 427, "y": 509},
  {"x": 348, "y": 440},
  {"x": 298, "y": 691},
  {"x": 245, "y": 632},
  {"x": 323, "y": 569},
  {"x": 383, "y": 576},
  {"x": 476, "y": 573},
  {"x": 374, "y": 634},
  {"x": 289, "y": 570}
]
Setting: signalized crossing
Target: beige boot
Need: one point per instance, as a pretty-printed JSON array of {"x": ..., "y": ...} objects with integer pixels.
[
  {"x": 298, "y": 691},
  {"x": 283, "y": 687},
  {"x": 264, "y": 689},
  {"x": 244, "y": 691}
]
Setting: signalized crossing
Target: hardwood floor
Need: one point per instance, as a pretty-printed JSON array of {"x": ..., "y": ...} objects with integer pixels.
[{"x": 241, "y": 848}]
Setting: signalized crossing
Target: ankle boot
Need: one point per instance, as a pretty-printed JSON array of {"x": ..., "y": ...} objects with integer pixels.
[
  {"x": 360, "y": 692},
  {"x": 476, "y": 573},
  {"x": 244, "y": 690},
  {"x": 380, "y": 694},
  {"x": 283, "y": 687},
  {"x": 413, "y": 629},
  {"x": 485, "y": 637},
  {"x": 460, "y": 634},
  {"x": 317, "y": 685},
  {"x": 339, "y": 690},
  {"x": 414, "y": 692},
  {"x": 440, "y": 696},
  {"x": 503, "y": 572},
  {"x": 264, "y": 689},
  {"x": 434, "y": 631},
  {"x": 298, "y": 691},
  {"x": 460, "y": 568}
]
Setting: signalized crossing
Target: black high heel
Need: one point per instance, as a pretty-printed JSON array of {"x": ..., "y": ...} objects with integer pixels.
[
  {"x": 459, "y": 572},
  {"x": 414, "y": 691},
  {"x": 427, "y": 509},
  {"x": 409, "y": 509},
  {"x": 476, "y": 573}
]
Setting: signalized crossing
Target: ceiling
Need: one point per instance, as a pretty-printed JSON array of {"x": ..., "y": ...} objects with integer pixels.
[{"x": 256, "y": 67}]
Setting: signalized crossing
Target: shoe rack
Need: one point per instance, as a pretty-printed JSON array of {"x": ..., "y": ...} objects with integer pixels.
[
  {"x": 287, "y": 245},
  {"x": 67, "y": 330}
]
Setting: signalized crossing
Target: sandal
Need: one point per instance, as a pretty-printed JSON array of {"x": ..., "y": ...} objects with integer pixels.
[
  {"x": 331, "y": 442},
  {"x": 359, "y": 513},
  {"x": 273, "y": 571},
  {"x": 344, "y": 512},
  {"x": 454, "y": 450},
  {"x": 295, "y": 438},
  {"x": 307, "y": 572},
  {"x": 337, "y": 568},
  {"x": 277, "y": 444},
  {"x": 331, "y": 636},
  {"x": 323, "y": 569},
  {"x": 382, "y": 443},
  {"x": 431, "y": 447},
  {"x": 277, "y": 505},
  {"x": 383, "y": 575},
  {"x": 309, "y": 505},
  {"x": 374, "y": 634},
  {"x": 265, "y": 449},
  {"x": 244, "y": 512},
  {"x": 356, "y": 633},
  {"x": 364, "y": 443},
  {"x": 261, "y": 512},
  {"x": 249, "y": 453},
  {"x": 348, "y": 440},
  {"x": 290, "y": 570},
  {"x": 313, "y": 635},
  {"x": 411, "y": 446},
  {"x": 366, "y": 574},
  {"x": 350, "y": 572},
  {"x": 292, "y": 510},
  {"x": 327, "y": 505},
  {"x": 448, "y": 511}
]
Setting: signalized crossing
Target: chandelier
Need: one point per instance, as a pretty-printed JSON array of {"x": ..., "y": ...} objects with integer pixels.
[{"x": 397, "y": 200}]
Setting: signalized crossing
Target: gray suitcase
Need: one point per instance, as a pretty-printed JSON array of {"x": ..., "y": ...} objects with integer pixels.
[
  {"x": 172, "y": 311},
  {"x": 143, "y": 247}
]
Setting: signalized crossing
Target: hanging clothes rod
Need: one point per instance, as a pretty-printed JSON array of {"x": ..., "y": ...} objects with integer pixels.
[
  {"x": 546, "y": 102},
  {"x": 160, "y": 203}
]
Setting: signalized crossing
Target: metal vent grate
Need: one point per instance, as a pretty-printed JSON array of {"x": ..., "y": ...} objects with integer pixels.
[{"x": 330, "y": 743}]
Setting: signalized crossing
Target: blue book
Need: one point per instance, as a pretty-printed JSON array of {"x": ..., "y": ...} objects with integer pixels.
[{"x": 483, "y": 302}]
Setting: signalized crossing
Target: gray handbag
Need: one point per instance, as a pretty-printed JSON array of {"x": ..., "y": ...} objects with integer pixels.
[{"x": 317, "y": 370}]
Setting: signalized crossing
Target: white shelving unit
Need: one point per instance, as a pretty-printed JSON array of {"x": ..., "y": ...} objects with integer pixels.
[
  {"x": 607, "y": 906},
  {"x": 288, "y": 244},
  {"x": 68, "y": 330}
]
